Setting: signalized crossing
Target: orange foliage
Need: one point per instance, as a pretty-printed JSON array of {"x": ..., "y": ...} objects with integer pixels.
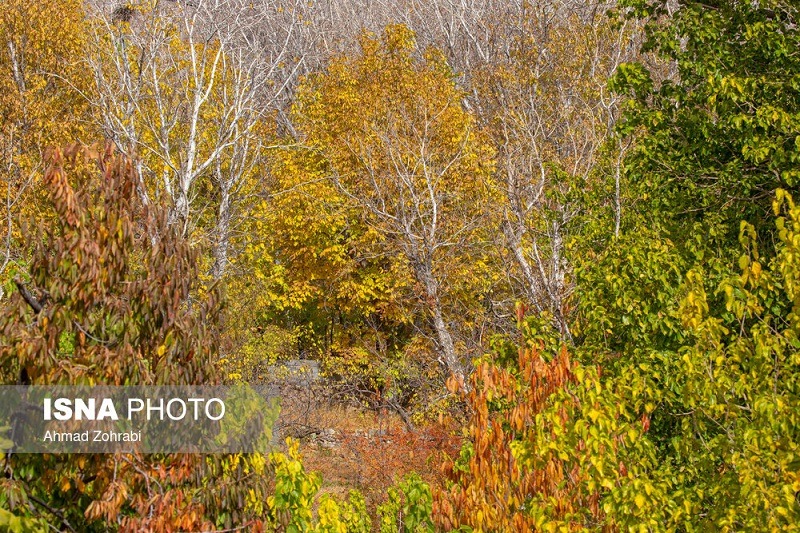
[
  {"x": 398, "y": 452},
  {"x": 371, "y": 459},
  {"x": 497, "y": 487},
  {"x": 106, "y": 303}
]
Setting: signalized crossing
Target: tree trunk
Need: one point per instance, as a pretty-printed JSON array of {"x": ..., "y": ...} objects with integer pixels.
[
  {"x": 447, "y": 350},
  {"x": 222, "y": 234},
  {"x": 530, "y": 285},
  {"x": 544, "y": 292}
]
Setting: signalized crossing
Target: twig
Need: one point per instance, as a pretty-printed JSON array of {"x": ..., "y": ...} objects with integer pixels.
[{"x": 56, "y": 512}]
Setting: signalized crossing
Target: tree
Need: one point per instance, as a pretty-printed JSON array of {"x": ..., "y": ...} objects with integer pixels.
[
  {"x": 104, "y": 296},
  {"x": 320, "y": 287},
  {"x": 718, "y": 140},
  {"x": 41, "y": 78},
  {"x": 399, "y": 144},
  {"x": 690, "y": 339},
  {"x": 505, "y": 459},
  {"x": 185, "y": 89},
  {"x": 535, "y": 76},
  {"x": 541, "y": 92},
  {"x": 105, "y": 304}
]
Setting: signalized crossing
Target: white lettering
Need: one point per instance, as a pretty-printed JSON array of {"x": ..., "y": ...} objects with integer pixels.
[
  {"x": 107, "y": 410},
  {"x": 63, "y": 409},
  {"x": 221, "y": 408},
  {"x": 182, "y": 406},
  {"x": 139, "y": 406},
  {"x": 157, "y": 408},
  {"x": 195, "y": 402}
]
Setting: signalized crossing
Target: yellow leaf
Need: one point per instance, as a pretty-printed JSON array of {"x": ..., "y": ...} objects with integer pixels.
[{"x": 639, "y": 500}]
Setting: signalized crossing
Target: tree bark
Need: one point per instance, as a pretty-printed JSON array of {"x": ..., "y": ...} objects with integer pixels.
[
  {"x": 447, "y": 350},
  {"x": 223, "y": 231}
]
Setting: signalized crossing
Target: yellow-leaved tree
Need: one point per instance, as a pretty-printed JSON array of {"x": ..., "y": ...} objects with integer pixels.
[
  {"x": 185, "y": 89},
  {"x": 542, "y": 92},
  {"x": 320, "y": 285},
  {"x": 399, "y": 145},
  {"x": 43, "y": 89}
]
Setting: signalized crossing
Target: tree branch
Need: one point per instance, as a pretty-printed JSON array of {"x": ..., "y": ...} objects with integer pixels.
[{"x": 28, "y": 297}]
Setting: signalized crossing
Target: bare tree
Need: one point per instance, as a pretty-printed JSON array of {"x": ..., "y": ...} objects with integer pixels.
[{"x": 552, "y": 125}]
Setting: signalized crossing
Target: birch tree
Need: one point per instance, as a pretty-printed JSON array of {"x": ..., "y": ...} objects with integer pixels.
[
  {"x": 186, "y": 88},
  {"x": 542, "y": 94}
]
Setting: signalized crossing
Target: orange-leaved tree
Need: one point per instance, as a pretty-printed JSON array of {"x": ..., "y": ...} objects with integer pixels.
[
  {"x": 111, "y": 299},
  {"x": 545, "y": 445}
]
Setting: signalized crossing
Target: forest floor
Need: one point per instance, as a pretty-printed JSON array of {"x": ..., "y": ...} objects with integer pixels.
[{"x": 359, "y": 448}]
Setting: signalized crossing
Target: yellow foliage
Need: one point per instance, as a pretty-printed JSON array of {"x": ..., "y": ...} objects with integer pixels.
[
  {"x": 43, "y": 100},
  {"x": 398, "y": 147}
]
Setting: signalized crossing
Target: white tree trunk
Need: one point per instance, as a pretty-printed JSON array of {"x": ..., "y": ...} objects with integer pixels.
[{"x": 222, "y": 235}]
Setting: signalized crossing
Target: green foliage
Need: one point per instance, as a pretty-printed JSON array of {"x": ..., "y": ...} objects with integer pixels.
[
  {"x": 698, "y": 348},
  {"x": 245, "y": 478},
  {"x": 253, "y": 411},
  {"x": 721, "y": 406},
  {"x": 354, "y": 514},
  {"x": 739, "y": 390},
  {"x": 719, "y": 137},
  {"x": 10, "y": 523},
  {"x": 342, "y": 517},
  {"x": 408, "y": 507},
  {"x": 291, "y": 506}
]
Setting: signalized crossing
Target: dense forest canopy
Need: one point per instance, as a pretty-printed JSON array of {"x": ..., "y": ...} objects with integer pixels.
[{"x": 560, "y": 235}]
